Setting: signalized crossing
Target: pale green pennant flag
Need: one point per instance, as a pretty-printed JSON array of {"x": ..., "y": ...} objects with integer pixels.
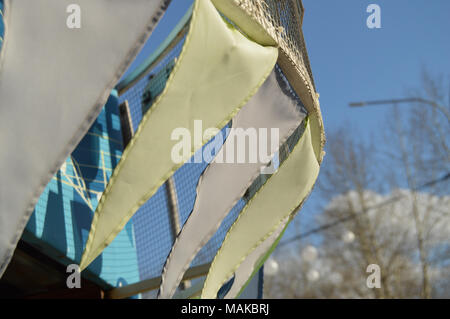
[
  {"x": 218, "y": 71},
  {"x": 278, "y": 198}
]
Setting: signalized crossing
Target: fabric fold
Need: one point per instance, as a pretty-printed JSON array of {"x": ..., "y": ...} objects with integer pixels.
[
  {"x": 218, "y": 71},
  {"x": 224, "y": 182},
  {"x": 59, "y": 63},
  {"x": 279, "y": 197}
]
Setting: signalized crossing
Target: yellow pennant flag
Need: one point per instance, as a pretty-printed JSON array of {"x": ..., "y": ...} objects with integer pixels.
[
  {"x": 218, "y": 71},
  {"x": 265, "y": 214}
]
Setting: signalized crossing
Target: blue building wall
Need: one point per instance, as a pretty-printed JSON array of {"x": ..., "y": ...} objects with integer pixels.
[{"x": 63, "y": 214}]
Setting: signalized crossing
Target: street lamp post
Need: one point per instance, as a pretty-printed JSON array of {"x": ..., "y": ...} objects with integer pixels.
[{"x": 437, "y": 106}]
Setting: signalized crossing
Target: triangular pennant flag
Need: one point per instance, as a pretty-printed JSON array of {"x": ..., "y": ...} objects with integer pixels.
[
  {"x": 60, "y": 61},
  {"x": 278, "y": 198},
  {"x": 218, "y": 71},
  {"x": 272, "y": 109}
]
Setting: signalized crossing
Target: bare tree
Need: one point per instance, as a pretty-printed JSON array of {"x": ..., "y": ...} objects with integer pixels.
[
  {"x": 421, "y": 138},
  {"x": 394, "y": 208}
]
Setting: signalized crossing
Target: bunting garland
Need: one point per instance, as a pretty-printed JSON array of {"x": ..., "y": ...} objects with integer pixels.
[{"x": 218, "y": 71}]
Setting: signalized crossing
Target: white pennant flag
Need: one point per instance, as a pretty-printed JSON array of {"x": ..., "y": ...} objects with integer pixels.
[
  {"x": 224, "y": 182},
  {"x": 59, "y": 62}
]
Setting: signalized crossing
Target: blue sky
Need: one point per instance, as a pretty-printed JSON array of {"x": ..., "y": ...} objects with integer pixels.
[{"x": 351, "y": 62}]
